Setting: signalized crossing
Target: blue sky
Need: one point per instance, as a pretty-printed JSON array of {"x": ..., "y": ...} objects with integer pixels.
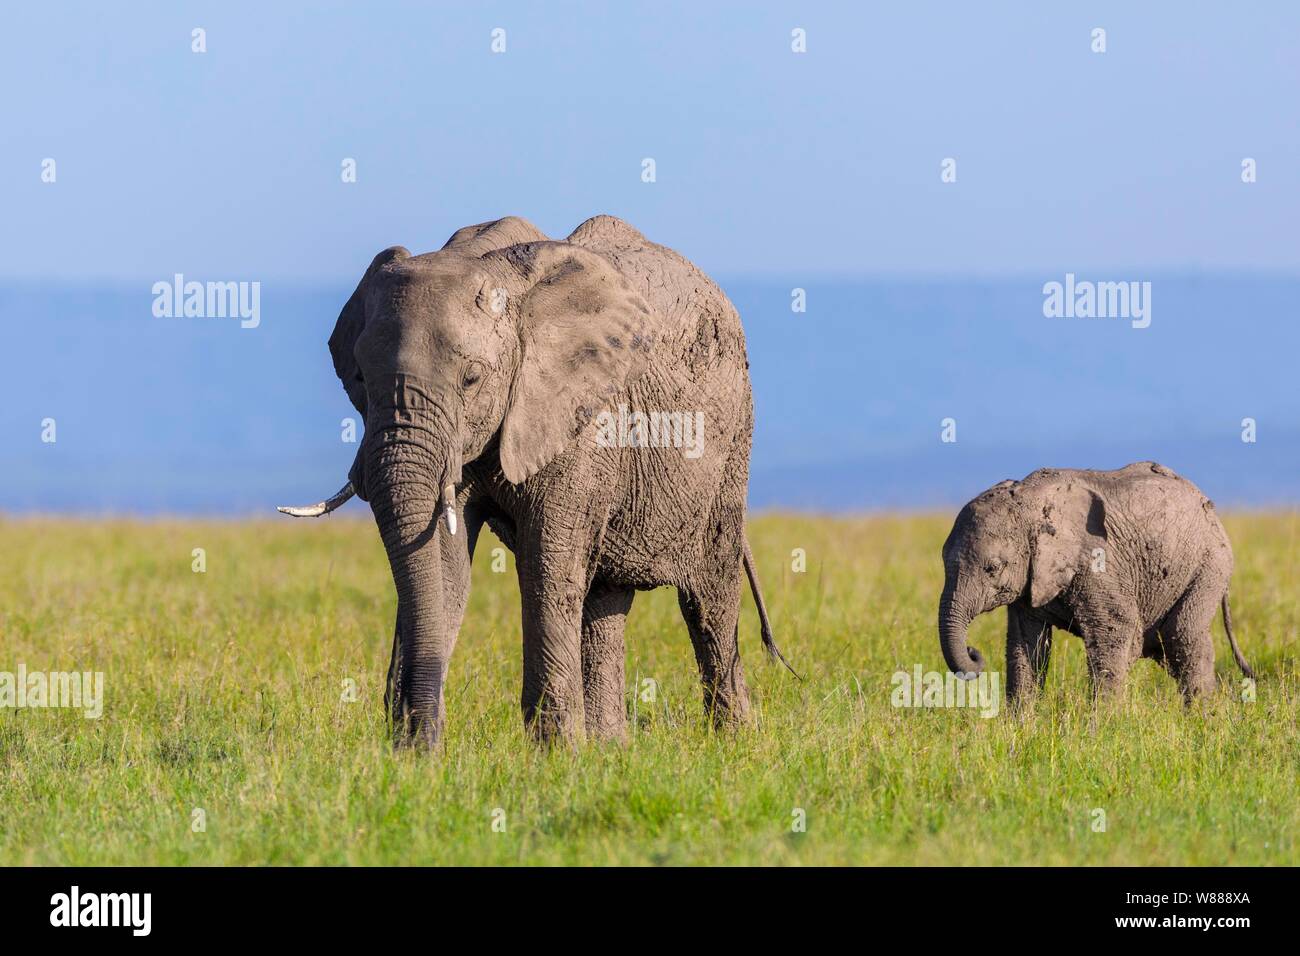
[
  {"x": 825, "y": 163},
  {"x": 774, "y": 170}
]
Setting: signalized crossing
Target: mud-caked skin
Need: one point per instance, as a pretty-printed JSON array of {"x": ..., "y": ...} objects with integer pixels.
[
  {"x": 1134, "y": 561},
  {"x": 481, "y": 371}
]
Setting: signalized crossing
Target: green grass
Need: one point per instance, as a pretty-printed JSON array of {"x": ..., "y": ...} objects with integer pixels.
[{"x": 223, "y": 692}]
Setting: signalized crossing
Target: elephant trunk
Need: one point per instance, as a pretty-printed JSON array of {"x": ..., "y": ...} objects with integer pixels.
[
  {"x": 404, "y": 480},
  {"x": 955, "y": 616}
]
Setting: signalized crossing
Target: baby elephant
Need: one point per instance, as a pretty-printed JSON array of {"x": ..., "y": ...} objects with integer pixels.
[{"x": 1134, "y": 561}]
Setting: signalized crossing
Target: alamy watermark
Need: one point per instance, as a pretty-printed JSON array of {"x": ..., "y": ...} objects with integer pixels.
[
  {"x": 627, "y": 429},
  {"x": 922, "y": 688},
  {"x": 1084, "y": 299},
  {"x": 130, "y": 910},
  {"x": 208, "y": 300},
  {"x": 78, "y": 690}
]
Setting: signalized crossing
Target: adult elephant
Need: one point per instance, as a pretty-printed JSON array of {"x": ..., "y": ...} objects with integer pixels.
[{"x": 500, "y": 379}]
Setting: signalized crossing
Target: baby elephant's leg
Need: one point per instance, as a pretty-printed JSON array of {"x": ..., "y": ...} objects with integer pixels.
[
  {"x": 1189, "y": 649},
  {"x": 1029, "y": 649},
  {"x": 1113, "y": 640}
]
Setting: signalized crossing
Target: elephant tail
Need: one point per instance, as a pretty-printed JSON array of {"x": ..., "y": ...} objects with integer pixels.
[
  {"x": 1236, "y": 651},
  {"x": 769, "y": 642}
]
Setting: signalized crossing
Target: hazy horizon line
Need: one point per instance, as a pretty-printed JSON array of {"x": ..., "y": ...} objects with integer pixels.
[
  {"x": 360, "y": 516},
  {"x": 722, "y": 276}
]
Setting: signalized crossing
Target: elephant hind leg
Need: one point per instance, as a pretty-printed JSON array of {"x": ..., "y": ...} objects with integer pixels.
[
  {"x": 711, "y": 608},
  {"x": 709, "y": 594},
  {"x": 1189, "y": 648},
  {"x": 1113, "y": 640},
  {"x": 603, "y": 660}
]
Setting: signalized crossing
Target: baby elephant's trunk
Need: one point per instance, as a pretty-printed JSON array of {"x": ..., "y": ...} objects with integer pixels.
[
  {"x": 1232, "y": 641},
  {"x": 954, "y": 620}
]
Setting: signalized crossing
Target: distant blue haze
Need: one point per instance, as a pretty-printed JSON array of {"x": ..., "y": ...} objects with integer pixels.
[{"x": 162, "y": 415}]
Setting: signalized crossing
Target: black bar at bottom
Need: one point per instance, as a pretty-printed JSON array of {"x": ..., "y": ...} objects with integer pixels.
[{"x": 336, "y": 905}]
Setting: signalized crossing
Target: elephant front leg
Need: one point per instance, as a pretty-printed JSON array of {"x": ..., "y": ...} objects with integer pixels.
[
  {"x": 1029, "y": 651},
  {"x": 393, "y": 685},
  {"x": 552, "y": 698},
  {"x": 558, "y": 545},
  {"x": 552, "y": 562},
  {"x": 603, "y": 661}
]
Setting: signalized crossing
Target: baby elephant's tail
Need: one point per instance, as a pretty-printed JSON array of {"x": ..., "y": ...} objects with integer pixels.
[
  {"x": 1236, "y": 651},
  {"x": 769, "y": 642}
]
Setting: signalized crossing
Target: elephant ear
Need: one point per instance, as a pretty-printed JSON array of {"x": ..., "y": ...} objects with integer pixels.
[
  {"x": 348, "y": 328},
  {"x": 1071, "y": 523},
  {"x": 584, "y": 336}
]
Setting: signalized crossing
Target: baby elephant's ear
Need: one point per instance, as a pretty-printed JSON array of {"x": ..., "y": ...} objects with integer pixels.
[
  {"x": 1071, "y": 524},
  {"x": 584, "y": 336}
]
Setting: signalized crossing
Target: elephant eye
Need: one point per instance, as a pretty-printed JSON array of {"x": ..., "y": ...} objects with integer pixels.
[
  {"x": 472, "y": 375},
  {"x": 990, "y": 568}
]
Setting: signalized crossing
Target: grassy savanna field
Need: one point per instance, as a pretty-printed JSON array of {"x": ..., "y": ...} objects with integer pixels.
[{"x": 224, "y": 692}]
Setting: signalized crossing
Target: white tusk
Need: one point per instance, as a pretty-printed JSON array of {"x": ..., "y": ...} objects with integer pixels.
[
  {"x": 323, "y": 508},
  {"x": 449, "y": 507}
]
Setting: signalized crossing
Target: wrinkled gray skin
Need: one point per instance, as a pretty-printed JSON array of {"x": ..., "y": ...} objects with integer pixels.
[
  {"x": 1032, "y": 546},
  {"x": 480, "y": 369}
]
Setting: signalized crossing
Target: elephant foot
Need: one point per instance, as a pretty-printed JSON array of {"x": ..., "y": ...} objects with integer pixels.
[
  {"x": 1199, "y": 691},
  {"x": 605, "y": 713},
  {"x": 422, "y": 735},
  {"x": 555, "y": 721},
  {"x": 1022, "y": 703},
  {"x": 728, "y": 708},
  {"x": 1194, "y": 672},
  {"x": 608, "y": 731}
]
